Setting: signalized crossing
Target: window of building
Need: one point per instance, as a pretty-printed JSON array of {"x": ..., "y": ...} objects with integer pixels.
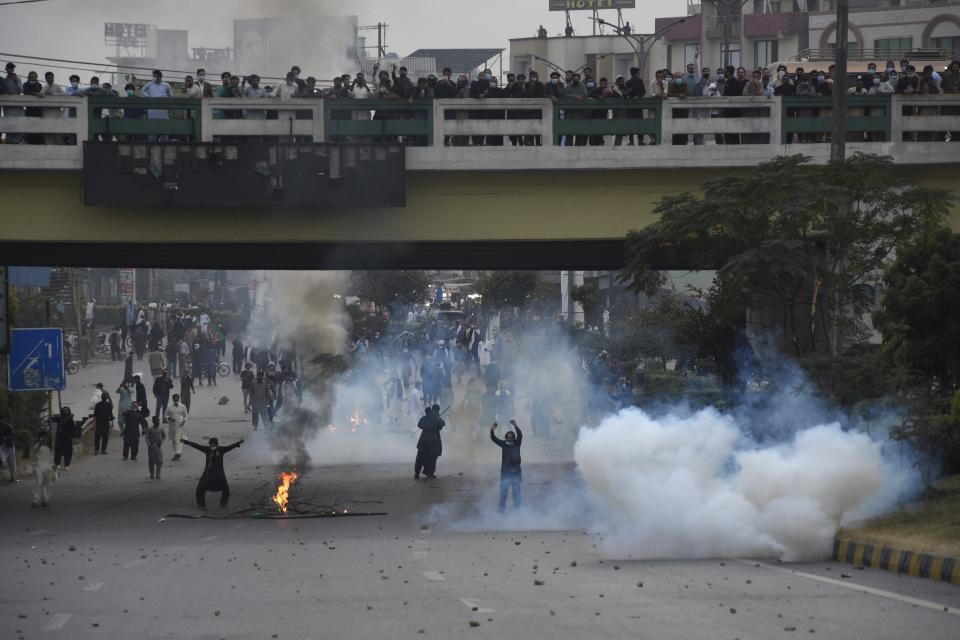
[
  {"x": 892, "y": 47},
  {"x": 764, "y": 53},
  {"x": 735, "y": 54},
  {"x": 621, "y": 65},
  {"x": 521, "y": 64},
  {"x": 950, "y": 43},
  {"x": 766, "y": 6}
]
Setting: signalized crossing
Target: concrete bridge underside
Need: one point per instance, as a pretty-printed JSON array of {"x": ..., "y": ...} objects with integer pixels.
[{"x": 515, "y": 219}]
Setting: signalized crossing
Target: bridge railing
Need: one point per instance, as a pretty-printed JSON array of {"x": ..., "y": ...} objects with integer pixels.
[
  {"x": 739, "y": 120},
  {"x": 458, "y": 121},
  {"x": 927, "y": 118},
  {"x": 808, "y": 119},
  {"x": 134, "y": 119},
  {"x": 235, "y": 119},
  {"x": 584, "y": 122},
  {"x": 350, "y": 120},
  {"x": 52, "y": 128}
]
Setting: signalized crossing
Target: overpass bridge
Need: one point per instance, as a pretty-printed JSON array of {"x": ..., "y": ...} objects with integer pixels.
[{"x": 236, "y": 188}]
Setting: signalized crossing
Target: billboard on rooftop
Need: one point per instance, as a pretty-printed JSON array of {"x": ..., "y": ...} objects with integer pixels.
[{"x": 591, "y": 5}]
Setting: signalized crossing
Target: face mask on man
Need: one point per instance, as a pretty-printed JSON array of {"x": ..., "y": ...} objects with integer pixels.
[
  {"x": 876, "y": 80},
  {"x": 201, "y": 77},
  {"x": 74, "y": 84},
  {"x": 821, "y": 78}
]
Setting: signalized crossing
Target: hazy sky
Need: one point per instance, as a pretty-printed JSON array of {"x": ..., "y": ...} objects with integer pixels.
[{"x": 73, "y": 29}]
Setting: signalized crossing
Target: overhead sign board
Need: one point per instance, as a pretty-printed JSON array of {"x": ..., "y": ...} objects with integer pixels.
[
  {"x": 591, "y": 5},
  {"x": 36, "y": 360}
]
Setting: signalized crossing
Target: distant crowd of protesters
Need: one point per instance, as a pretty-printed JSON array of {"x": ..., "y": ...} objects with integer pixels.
[{"x": 561, "y": 86}]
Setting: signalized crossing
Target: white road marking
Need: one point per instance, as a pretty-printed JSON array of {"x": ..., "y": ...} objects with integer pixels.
[
  {"x": 40, "y": 532},
  {"x": 57, "y": 621},
  {"x": 420, "y": 554},
  {"x": 209, "y": 538},
  {"x": 237, "y": 526},
  {"x": 433, "y": 575},
  {"x": 93, "y": 586},
  {"x": 858, "y": 587},
  {"x": 476, "y": 603}
]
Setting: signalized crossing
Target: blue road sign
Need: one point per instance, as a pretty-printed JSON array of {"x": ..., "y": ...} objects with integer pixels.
[{"x": 36, "y": 360}]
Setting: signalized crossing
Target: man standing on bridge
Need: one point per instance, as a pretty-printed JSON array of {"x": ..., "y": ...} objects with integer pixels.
[{"x": 213, "y": 477}]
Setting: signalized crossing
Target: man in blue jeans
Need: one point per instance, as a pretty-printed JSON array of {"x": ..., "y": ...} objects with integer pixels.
[{"x": 510, "y": 475}]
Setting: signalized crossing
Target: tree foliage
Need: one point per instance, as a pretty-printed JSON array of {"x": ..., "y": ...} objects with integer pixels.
[
  {"x": 390, "y": 288},
  {"x": 809, "y": 238},
  {"x": 920, "y": 318},
  {"x": 507, "y": 289}
]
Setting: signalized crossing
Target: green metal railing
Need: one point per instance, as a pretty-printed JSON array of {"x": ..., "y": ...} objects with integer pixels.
[
  {"x": 390, "y": 118},
  {"x": 184, "y": 119},
  {"x": 387, "y": 119},
  {"x": 805, "y": 116},
  {"x": 589, "y": 117}
]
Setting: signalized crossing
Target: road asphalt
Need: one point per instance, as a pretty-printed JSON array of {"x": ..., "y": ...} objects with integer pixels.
[{"x": 105, "y": 560}]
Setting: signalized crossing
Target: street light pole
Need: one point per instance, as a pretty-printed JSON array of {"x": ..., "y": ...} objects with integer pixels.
[{"x": 838, "y": 134}]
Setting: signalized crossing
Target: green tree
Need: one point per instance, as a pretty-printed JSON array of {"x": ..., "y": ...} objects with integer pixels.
[
  {"x": 390, "y": 288},
  {"x": 809, "y": 238},
  {"x": 920, "y": 323},
  {"x": 920, "y": 316},
  {"x": 507, "y": 289}
]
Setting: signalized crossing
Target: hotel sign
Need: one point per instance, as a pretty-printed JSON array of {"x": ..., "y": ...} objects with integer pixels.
[{"x": 591, "y": 5}]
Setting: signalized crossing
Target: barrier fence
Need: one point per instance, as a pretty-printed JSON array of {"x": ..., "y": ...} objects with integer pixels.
[{"x": 53, "y": 127}]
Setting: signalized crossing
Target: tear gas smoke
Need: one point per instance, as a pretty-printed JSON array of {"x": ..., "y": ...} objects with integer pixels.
[
  {"x": 691, "y": 486},
  {"x": 301, "y": 310}
]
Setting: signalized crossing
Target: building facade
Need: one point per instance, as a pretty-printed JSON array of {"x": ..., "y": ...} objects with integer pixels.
[{"x": 758, "y": 33}]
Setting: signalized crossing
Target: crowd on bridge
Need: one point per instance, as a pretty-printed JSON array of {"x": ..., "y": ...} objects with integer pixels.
[{"x": 561, "y": 86}]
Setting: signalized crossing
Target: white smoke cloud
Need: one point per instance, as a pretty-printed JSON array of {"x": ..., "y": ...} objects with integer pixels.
[{"x": 691, "y": 486}]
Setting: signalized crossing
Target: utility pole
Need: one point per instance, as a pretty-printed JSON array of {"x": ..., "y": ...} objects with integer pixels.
[{"x": 838, "y": 134}]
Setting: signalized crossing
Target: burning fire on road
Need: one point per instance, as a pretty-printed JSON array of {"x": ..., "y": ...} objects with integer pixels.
[{"x": 282, "y": 497}]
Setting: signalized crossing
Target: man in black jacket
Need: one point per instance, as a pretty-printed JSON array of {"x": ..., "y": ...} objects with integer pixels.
[
  {"x": 102, "y": 419},
  {"x": 429, "y": 446},
  {"x": 161, "y": 391},
  {"x": 510, "y": 475},
  {"x": 134, "y": 426},
  {"x": 141, "y": 395},
  {"x": 67, "y": 432},
  {"x": 213, "y": 477}
]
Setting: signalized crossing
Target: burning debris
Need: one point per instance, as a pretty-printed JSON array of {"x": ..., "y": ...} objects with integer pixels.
[
  {"x": 282, "y": 497},
  {"x": 277, "y": 501}
]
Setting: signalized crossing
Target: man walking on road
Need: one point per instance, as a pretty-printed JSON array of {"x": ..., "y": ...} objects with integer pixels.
[
  {"x": 8, "y": 448},
  {"x": 102, "y": 419},
  {"x": 134, "y": 426},
  {"x": 429, "y": 446},
  {"x": 261, "y": 398},
  {"x": 176, "y": 417},
  {"x": 161, "y": 391},
  {"x": 67, "y": 432},
  {"x": 154, "y": 438},
  {"x": 246, "y": 386},
  {"x": 43, "y": 470}
]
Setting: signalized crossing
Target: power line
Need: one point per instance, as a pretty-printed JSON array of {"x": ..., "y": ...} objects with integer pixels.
[
  {"x": 115, "y": 67},
  {"x": 3, "y": 4}
]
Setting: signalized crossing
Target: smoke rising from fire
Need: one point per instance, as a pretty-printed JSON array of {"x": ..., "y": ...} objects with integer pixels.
[{"x": 302, "y": 310}]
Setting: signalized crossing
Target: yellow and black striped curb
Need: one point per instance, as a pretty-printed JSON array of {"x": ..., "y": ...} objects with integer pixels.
[{"x": 907, "y": 563}]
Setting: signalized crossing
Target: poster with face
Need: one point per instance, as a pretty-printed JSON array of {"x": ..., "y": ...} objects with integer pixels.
[{"x": 323, "y": 46}]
